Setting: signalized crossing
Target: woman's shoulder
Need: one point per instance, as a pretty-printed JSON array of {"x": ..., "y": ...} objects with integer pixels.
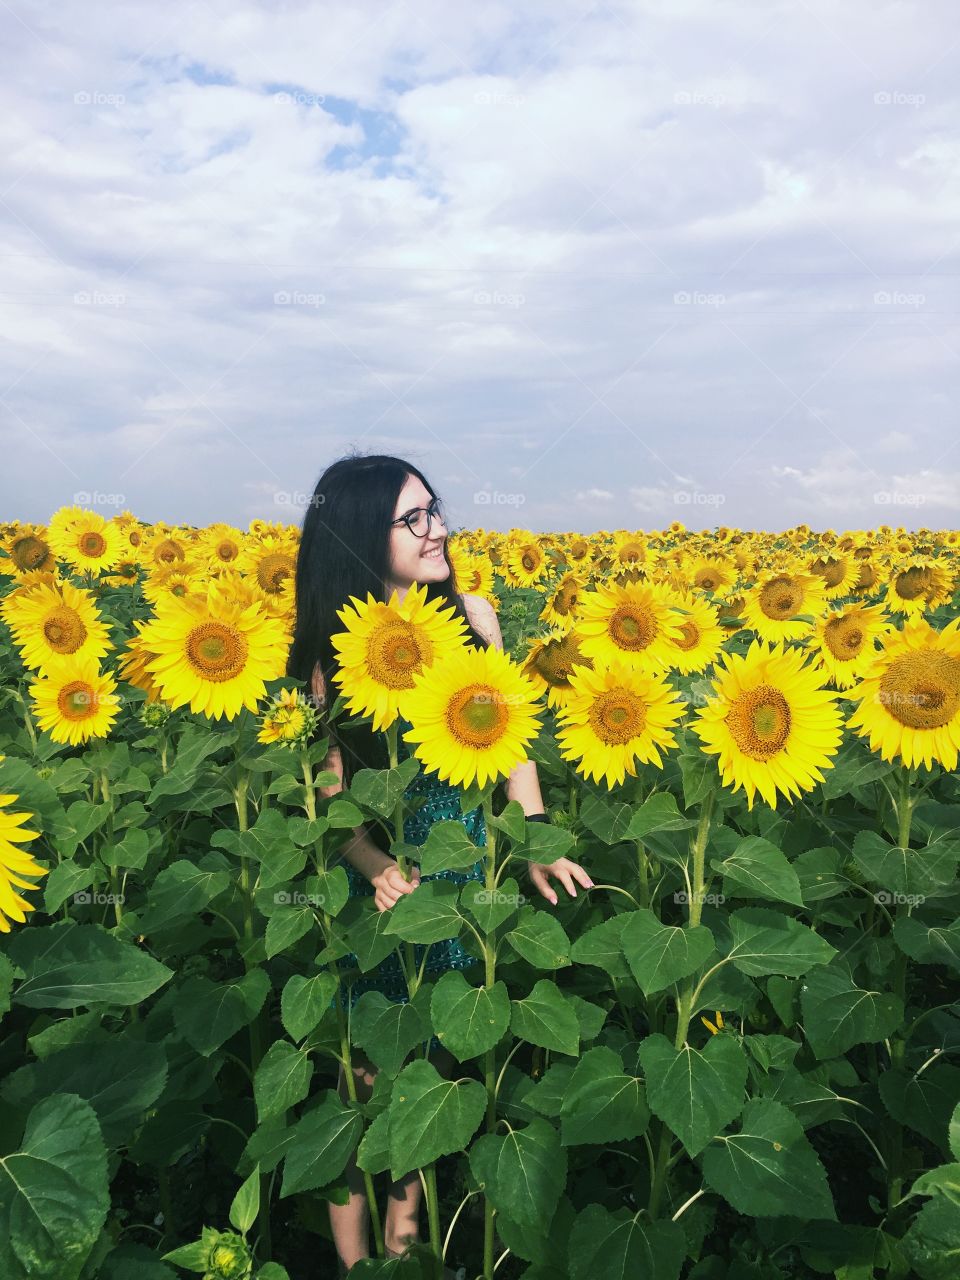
[{"x": 483, "y": 616}]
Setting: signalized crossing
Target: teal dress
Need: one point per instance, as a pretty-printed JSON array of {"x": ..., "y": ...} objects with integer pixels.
[{"x": 441, "y": 804}]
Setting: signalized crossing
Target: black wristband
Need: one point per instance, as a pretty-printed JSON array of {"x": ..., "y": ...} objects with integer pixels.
[{"x": 536, "y": 817}]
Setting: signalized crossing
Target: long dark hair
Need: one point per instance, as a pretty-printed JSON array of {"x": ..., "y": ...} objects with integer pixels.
[{"x": 344, "y": 552}]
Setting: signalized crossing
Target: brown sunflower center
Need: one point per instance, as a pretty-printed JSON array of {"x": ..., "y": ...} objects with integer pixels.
[
  {"x": 922, "y": 689},
  {"x": 395, "y": 655},
  {"x": 477, "y": 715},
  {"x": 168, "y": 551},
  {"x": 216, "y": 651},
  {"x": 92, "y": 543},
  {"x": 565, "y": 600},
  {"x": 830, "y": 570},
  {"x": 617, "y": 716},
  {"x": 77, "y": 700},
  {"x": 633, "y": 628},
  {"x": 226, "y": 552},
  {"x": 781, "y": 597},
  {"x": 29, "y": 553},
  {"x": 689, "y": 635},
  {"x": 706, "y": 580},
  {"x": 844, "y": 638},
  {"x": 529, "y": 561},
  {"x": 272, "y": 570},
  {"x": 759, "y": 722},
  {"x": 63, "y": 630},
  {"x": 912, "y": 583}
]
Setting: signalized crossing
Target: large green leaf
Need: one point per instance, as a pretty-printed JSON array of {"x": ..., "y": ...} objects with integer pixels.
[
  {"x": 541, "y": 939},
  {"x": 54, "y": 1195},
  {"x": 448, "y": 848},
  {"x": 545, "y": 1018},
  {"x": 208, "y": 1013},
  {"x": 304, "y": 1002},
  {"x": 837, "y": 1014},
  {"x": 766, "y": 941},
  {"x": 67, "y": 965},
  {"x": 769, "y": 1169},
  {"x": 320, "y": 1146},
  {"x": 933, "y": 1242},
  {"x": 661, "y": 954},
  {"x": 929, "y": 942},
  {"x": 658, "y": 812},
  {"x": 428, "y": 914},
  {"x": 387, "y": 1030},
  {"x": 363, "y": 929},
  {"x": 924, "y": 1102},
  {"x": 468, "y": 1020},
  {"x": 431, "y": 1117},
  {"x": 620, "y": 1245},
  {"x": 522, "y": 1172},
  {"x": 491, "y": 907},
  {"x": 380, "y": 789},
  {"x": 282, "y": 1079},
  {"x": 906, "y": 871},
  {"x": 181, "y": 889},
  {"x": 601, "y": 947},
  {"x": 601, "y": 1103},
  {"x": 758, "y": 869},
  {"x": 696, "y": 1093}
]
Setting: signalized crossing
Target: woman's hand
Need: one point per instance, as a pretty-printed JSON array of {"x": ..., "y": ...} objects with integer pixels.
[
  {"x": 390, "y": 886},
  {"x": 565, "y": 870}
]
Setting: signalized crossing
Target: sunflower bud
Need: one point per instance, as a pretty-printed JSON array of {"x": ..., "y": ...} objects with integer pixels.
[
  {"x": 229, "y": 1258},
  {"x": 155, "y": 714}
]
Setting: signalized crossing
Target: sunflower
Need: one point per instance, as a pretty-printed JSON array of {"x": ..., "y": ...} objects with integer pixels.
[
  {"x": 774, "y": 606},
  {"x": 844, "y": 642},
  {"x": 386, "y": 645},
  {"x": 272, "y": 563},
  {"x": 772, "y": 725},
  {"x": 837, "y": 572},
  {"x": 15, "y": 864},
  {"x": 633, "y": 623},
  {"x": 867, "y": 579},
  {"x": 701, "y": 635},
  {"x": 213, "y": 653},
  {"x": 473, "y": 715},
  {"x": 85, "y": 539},
  {"x": 289, "y": 719},
  {"x": 222, "y": 544},
  {"x": 473, "y": 574},
  {"x": 616, "y": 716},
  {"x": 76, "y": 701},
  {"x": 710, "y": 574},
  {"x": 909, "y": 700},
  {"x": 525, "y": 564},
  {"x": 51, "y": 622},
  {"x": 550, "y": 661},
  {"x": 560, "y": 607},
  {"x": 918, "y": 584},
  {"x": 27, "y": 551}
]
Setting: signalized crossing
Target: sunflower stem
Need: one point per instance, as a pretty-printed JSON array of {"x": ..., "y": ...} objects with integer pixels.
[
  {"x": 408, "y": 958},
  {"x": 905, "y": 805},
  {"x": 490, "y": 1057},
  {"x": 351, "y": 1084}
]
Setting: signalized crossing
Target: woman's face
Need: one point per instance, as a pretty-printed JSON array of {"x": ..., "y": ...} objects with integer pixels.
[{"x": 414, "y": 559}]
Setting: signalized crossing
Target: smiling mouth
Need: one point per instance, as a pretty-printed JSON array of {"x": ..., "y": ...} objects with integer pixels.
[{"x": 435, "y": 554}]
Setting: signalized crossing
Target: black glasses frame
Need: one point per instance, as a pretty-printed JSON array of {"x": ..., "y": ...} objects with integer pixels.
[{"x": 433, "y": 512}]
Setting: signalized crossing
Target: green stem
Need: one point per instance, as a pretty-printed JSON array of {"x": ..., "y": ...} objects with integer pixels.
[
  {"x": 352, "y": 1095},
  {"x": 433, "y": 1215},
  {"x": 408, "y": 957},
  {"x": 898, "y": 1043},
  {"x": 490, "y": 1057},
  {"x": 643, "y": 871}
]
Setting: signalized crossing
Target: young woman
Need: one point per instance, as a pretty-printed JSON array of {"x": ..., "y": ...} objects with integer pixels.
[{"x": 375, "y": 525}]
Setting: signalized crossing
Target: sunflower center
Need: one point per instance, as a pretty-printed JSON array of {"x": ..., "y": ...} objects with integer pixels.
[
  {"x": 272, "y": 570},
  {"x": 217, "y": 652},
  {"x": 707, "y": 581},
  {"x": 689, "y": 635},
  {"x": 617, "y": 716},
  {"x": 843, "y": 637},
  {"x": 63, "y": 630},
  {"x": 477, "y": 715},
  {"x": 76, "y": 700},
  {"x": 29, "y": 553},
  {"x": 832, "y": 571},
  {"x": 168, "y": 551},
  {"x": 565, "y": 600},
  {"x": 226, "y": 551},
  {"x": 759, "y": 722},
  {"x": 394, "y": 655},
  {"x": 632, "y": 628},
  {"x": 780, "y": 598},
  {"x": 529, "y": 561},
  {"x": 912, "y": 583},
  {"x": 922, "y": 689},
  {"x": 92, "y": 543}
]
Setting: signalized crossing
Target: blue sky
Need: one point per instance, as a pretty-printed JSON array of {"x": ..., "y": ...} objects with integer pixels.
[{"x": 587, "y": 265}]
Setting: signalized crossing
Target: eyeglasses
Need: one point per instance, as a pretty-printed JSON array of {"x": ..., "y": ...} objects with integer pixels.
[{"x": 420, "y": 519}]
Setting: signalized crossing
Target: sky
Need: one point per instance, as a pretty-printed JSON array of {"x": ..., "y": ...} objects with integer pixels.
[{"x": 588, "y": 266}]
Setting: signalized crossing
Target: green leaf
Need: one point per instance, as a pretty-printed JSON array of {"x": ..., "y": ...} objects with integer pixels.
[
  {"x": 541, "y": 939},
  {"x": 923, "y": 1102},
  {"x": 468, "y": 1020},
  {"x": 510, "y": 821},
  {"x": 758, "y": 869},
  {"x": 769, "y": 1169},
  {"x": 286, "y": 927},
  {"x": 928, "y": 943},
  {"x": 608, "y": 820},
  {"x": 909, "y": 871},
  {"x": 766, "y": 941},
  {"x": 364, "y": 929},
  {"x": 379, "y": 789},
  {"x": 698, "y": 772},
  {"x": 601, "y": 947},
  {"x": 304, "y": 1001},
  {"x": 282, "y": 1079},
  {"x": 658, "y": 812},
  {"x": 615, "y": 1245},
  {"x": 208, "y": 1013},
  {"x": 602, "y": 1103},
  {"x": 387, "y": 1030},
  {"x": 64, "y": 880},
  {"x": 54, "y": 1195},
  {"x": 428, "y": 914},
  {"x": 837, "y": 1014},
  {"x": 953, "y": 1133},
  {"x": 66, "y": 965},
  {"x": 180, "y": 890},
  {"x": 944, "y": 1180},
  {"x": 373, "y": 1153},
  {"x": 543, "y": 842},
  {"x": 544, "y": 1018},
  {"x": 321, "y": 1144},
  {"x": 246, "y": 1203},
  {"x": 933, "y": 1242},
  {"x": 660, "y": 954},
  {"x": 491, "y": 907},
  {"x": 448, "y": 848},
  {"x": 522, "y": 1172},
  {"x": 431, "y": 1117},
  {"x": 131, "y": 851},
  {"x": 696, "y": 1093}
]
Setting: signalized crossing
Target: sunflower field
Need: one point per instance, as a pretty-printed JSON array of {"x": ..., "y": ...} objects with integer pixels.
[{"x": 735, "y": 1057}]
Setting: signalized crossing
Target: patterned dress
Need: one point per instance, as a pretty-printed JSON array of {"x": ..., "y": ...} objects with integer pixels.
[{"x": 441, "y": 803}]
